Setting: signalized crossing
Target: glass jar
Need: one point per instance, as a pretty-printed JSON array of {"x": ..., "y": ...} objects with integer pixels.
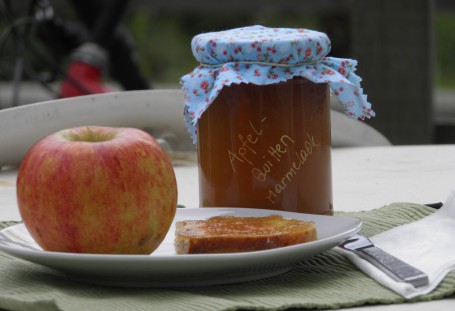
[{"x": 258, "y": 109}]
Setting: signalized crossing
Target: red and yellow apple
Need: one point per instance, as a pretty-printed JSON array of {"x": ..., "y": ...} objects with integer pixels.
[{"x": 97, "y": 190}]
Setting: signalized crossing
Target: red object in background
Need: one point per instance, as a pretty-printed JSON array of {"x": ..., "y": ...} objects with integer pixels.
[{"x": 83, "y": 79}]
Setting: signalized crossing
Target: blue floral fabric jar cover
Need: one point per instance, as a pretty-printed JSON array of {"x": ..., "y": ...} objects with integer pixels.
[{"x": 261, "y": 56}]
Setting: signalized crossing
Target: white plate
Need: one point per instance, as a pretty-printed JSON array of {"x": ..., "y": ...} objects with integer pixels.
[
  {"x": 166, "y": 269},
  {"x": 160, "y": 112}
]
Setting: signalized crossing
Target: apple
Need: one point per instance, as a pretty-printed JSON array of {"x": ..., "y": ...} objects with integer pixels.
[{"x": 98, "y": 190}]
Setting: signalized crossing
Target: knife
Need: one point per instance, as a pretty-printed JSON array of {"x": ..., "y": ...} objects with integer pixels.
[{"x": 392, "y": 266}]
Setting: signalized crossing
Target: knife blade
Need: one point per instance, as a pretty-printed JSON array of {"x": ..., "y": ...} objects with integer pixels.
[{"x": 392, "y": 266}]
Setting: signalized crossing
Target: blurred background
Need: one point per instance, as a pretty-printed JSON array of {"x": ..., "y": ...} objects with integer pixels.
[{"x": 405, "y": 51}]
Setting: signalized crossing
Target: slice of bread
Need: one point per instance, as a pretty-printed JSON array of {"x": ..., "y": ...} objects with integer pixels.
[{"x": 230, "y": 234}]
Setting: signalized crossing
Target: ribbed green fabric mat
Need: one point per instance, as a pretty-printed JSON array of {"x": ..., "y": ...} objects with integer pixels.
[{"x": 323, "y": 282}]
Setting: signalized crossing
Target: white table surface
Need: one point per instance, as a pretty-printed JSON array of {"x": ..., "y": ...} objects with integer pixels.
[{"x": 363, "y": 179}]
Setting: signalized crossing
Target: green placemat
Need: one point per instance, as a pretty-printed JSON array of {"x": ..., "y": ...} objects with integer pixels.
[{"x": 322, "y": 282}]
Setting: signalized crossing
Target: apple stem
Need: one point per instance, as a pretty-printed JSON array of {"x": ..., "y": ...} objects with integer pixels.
[{"x": 88, "y": 134}]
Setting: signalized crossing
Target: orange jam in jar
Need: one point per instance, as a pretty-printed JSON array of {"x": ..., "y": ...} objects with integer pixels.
[
  {"x": 258, "y": 109},
  {"x": 267, "y": 146}
]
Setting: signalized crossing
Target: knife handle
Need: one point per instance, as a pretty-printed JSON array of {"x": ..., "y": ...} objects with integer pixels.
[{"x": 394, "y": 267}]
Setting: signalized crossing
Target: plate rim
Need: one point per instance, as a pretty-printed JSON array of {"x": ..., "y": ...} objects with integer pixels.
[
  {"x": 145, "y": 271},
  {"x": 355, "y": 228}
]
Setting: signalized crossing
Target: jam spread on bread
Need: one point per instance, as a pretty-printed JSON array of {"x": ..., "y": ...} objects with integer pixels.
[{"x": 231, "y": 234}]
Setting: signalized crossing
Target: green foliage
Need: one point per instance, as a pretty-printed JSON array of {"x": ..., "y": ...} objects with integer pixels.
[
  {"x": 445, "y": 50},
  {"x": 163, "y": 39},
  {"x": 163, "y": 48}
]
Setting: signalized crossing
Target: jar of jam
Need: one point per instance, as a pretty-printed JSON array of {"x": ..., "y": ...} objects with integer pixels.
[{"x": 258, "y": 108}]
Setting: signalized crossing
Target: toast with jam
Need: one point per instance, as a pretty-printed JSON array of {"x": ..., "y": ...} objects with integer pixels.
[{"x": 231, "y": 234}]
